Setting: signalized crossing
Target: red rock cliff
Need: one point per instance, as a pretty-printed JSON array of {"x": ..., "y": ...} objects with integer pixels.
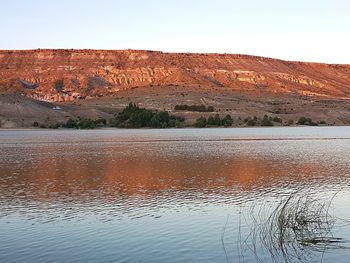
[{"x": 64, "y": 75}]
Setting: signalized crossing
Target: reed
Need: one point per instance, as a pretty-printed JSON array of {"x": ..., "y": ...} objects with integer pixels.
[{"x": 297, "y": 229}]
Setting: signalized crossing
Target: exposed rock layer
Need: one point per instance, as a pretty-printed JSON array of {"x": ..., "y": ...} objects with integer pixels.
[{"x": 66, "y": 75}]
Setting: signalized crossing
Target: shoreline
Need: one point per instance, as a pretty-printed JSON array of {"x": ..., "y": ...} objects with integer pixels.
[{"x": 172, "y": 128}]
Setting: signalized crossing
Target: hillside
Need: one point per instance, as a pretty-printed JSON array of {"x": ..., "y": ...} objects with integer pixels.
[
  {"x": 65, "y": 75},
  {"x": 97, "y": 83}
]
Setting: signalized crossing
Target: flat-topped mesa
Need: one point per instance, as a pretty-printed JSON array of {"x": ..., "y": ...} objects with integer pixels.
[{"x": 69, "y": 74}]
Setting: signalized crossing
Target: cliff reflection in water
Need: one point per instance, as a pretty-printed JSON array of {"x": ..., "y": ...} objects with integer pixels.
[
  {"x": 158, "y": 195},
  {"x": 120, "y": 178}
]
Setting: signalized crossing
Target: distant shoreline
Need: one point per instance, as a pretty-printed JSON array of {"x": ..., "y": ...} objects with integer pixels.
[{"x": 172, "y": 128}]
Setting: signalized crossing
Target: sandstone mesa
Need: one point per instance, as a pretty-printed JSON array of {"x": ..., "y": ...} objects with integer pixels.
[{"x": 69, "y": 75}]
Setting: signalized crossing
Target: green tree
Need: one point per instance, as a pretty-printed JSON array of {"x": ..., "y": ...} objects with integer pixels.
[
  {"x": 201, "y": 122},
  {"x": 134, "y": 117},
  {"x": 227, "y": 121},
  {"x": 211, "y": 121},
  {"x": 217, "y": 120},
  {"x": 164, "y": 117},
  {"x": 155, "y": 123},
  {"x": 71, "y": 123}
]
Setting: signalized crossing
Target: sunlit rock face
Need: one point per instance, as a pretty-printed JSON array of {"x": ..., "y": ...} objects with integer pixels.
[{"x": 68, "y": 75}]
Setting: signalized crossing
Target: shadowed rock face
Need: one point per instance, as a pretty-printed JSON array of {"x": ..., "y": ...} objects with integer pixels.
[{"x": 66, "y": 75}]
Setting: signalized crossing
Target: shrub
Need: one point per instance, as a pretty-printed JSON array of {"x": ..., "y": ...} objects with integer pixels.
[
  {"x": 86, "y": 124},
  {"x": 179, "y": 124},
  {"x": 227, "y": 121},
  {"x": 214, "y": 121},
  {"x": 277, "y": 119},
  {"x": 163, "y": 117},
  {"x": 201, "y": 122},
  {"x": 306, "y": 121},
  {"x": 250, "y": 122},
  {"x": 55, "y": 126},
  {"x": 199, "y": 108},
  {"x": 113, "y": 122},
  {"x": 130, "y": 117},
  {"x": 101, "y": 122},
  {"x": 71, "y": 123},
  {"x": 266, "y": 121},
  {"x": 302, "y": 120}
]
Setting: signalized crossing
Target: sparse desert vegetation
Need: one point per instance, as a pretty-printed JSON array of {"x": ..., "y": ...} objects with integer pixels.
[
  {"x": 134, "y": 116},
  {"x": 199, "y": 108}
]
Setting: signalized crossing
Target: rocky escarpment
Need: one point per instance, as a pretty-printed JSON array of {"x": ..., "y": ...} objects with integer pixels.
[{"x": 66, "y": 75}]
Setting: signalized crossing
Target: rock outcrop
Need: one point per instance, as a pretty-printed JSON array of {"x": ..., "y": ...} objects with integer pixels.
[{"x": 67, "y": 75}]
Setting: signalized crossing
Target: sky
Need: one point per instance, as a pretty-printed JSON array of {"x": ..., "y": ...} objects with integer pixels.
[{"x": 305, "y": 30}]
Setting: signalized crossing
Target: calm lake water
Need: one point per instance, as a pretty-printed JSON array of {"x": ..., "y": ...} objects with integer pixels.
[{"x": 174, "y": 195}]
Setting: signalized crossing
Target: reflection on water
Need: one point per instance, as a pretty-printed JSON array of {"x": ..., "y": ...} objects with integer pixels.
[{"x": 155, "y": 195}]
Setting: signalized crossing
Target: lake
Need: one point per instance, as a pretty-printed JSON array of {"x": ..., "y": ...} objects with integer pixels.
[{"x": 172, "y": 195}]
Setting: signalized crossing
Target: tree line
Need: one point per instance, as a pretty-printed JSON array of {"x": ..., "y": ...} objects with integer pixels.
[{"x": 133, "y": 116}]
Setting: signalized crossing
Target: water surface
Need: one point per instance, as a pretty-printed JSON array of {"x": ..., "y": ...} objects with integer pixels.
[{"x": 158, "y": 195}]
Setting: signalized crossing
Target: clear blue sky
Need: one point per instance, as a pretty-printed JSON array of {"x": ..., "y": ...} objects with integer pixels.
[{"x": 308, "y": 30}]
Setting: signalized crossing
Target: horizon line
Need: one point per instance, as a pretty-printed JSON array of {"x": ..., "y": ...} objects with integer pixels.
[{"x": 171, "y": 53}]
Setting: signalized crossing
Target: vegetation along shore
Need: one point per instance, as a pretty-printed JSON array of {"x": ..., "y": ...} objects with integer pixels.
[{"x": 134, "y": 116}]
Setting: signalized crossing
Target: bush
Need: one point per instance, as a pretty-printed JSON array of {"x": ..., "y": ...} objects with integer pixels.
[
  {"x": 306, "y": 121},
  {"x": 55, "y": 126},
  {"x": 266, "y": 121},
  {"x": 277, "y": 119},
  {"x": 35, "y": 124},
  {"x": 250, "y": 121},
  {"x": 101, "y": 122},
  {"x": 227, "y": 121},
  {"x": 214, "y": 121},
  {"x": 71, "y": 123},
  {"x": 179, "y": 124},
  {"x": 201, "y": 122},
  {"x": 164, "y": 117},
  {"x": 113, "y": 123},
  {"x": 302, "y": 121},
  {"x": 199, "y": 108},
  {"x": 86, "y": 124}
]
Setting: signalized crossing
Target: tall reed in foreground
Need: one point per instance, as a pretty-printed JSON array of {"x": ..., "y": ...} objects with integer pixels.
[{"x": 298, "y": 229}]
